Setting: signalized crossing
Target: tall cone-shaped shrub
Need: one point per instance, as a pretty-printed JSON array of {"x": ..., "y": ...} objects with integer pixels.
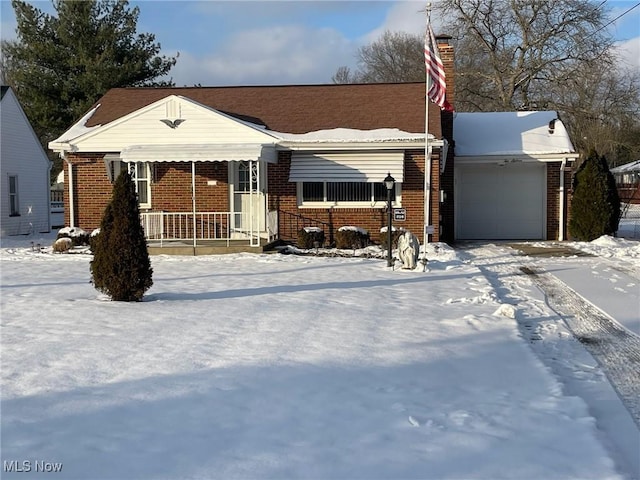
[
  {"x": 121, "y": 267},
  {"x": 595, "y": 205}
]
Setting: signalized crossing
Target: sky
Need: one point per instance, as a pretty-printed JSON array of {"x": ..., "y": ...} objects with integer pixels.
[{"x": 288, "y": 42}]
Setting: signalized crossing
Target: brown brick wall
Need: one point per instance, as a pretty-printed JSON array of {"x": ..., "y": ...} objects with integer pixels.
[
  {"x": 171, "y": 192},
  {"x": 170, "y": 188},
  {"x": 92, "y": 191},
  {"x": 283, "y": 194}
]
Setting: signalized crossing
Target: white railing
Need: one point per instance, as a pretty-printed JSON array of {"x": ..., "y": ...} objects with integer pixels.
[{"x": 176, "y": 226}]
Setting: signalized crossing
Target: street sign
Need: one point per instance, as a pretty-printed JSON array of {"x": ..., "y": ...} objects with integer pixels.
[{"x": 399, "y": 214}]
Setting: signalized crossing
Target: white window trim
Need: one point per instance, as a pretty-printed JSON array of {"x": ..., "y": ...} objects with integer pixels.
[
  {"x": 136, "y": 181},
  {"x": 15, "y": 194},
  {"x": 380, "y": 204}
]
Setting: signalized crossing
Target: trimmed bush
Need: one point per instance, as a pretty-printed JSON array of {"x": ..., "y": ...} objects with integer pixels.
[
  {"x": 595, "y": 205},
  {"x": 308, "y": 236},
  {"x": 77, "y": 235},
  {"x": 351, "y": 237},
  {"x": 121, "y": 267},
  {"x": 395, "y": 234}
]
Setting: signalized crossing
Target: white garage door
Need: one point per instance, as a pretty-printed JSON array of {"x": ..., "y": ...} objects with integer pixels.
[{"x": 496, "y": 202}]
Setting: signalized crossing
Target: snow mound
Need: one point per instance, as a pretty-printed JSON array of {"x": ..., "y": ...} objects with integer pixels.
[{"x": 505, "y": 310}]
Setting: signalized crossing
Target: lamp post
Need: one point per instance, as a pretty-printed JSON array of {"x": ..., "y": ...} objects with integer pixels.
[{"x": 389, "y": 182}]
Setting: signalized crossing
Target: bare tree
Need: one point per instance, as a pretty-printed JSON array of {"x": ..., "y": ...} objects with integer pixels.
[
  {"x": 526, "y": 55},
  {"x": 537, "y": 54},
  {"x": 516, "y": 47},
  {"x": 395, "y": 57}
]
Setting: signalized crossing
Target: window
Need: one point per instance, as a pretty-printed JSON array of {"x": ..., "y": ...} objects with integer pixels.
[
  {"x": 14, "y": 205},
  {"x": 140, "y": 174},
  {"x": 345, "y": 193},
  {"x": 247, "y": 170}
]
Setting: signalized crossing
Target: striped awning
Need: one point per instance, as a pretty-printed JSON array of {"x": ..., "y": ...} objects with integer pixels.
[
  {"x": 227, "y": 152},
  {"x": 371, "y": 167}
]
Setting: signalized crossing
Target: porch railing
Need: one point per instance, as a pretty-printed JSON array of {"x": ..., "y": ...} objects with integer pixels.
[
  {"x": 290, "y": 224},
  {"x": 185, "y": 226}
]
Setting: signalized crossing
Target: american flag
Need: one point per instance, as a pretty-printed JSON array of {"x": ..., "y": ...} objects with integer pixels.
[{"x": 435, "y": 72}]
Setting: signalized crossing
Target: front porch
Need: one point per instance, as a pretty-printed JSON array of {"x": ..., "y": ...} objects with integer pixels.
[{"x": 191, "y": 233}]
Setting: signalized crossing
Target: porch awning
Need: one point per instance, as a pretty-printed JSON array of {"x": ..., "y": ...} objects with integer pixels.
[
  {"x": 227, "y": 152},
  {"x": 371, "y": 167}
]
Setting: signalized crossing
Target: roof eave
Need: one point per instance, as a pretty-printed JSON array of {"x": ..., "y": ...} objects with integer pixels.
[
  {"x": 346, "y": 145},
  {"x": 527, "y": 157}
]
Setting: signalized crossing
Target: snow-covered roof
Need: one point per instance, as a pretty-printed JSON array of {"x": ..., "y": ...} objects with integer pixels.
[
  {"x": 510, "y": 133},
  {"x": 627, "y": 167},
  {"x": 348, "y": 135},
  {"x": 77, "y": 129}
]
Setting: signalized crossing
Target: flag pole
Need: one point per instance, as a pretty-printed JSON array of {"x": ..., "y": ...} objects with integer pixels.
[{"x": 427, "y": 149}]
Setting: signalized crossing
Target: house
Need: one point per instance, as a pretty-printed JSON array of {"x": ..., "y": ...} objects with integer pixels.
[
  {"x": 256, "y": 163},
  {"x": 512, "y": 175},
  {"x": 24, "y": 169},
  {"x": 628, "y": 182}
]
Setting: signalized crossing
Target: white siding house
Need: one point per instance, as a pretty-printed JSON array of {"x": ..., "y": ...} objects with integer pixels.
[{"x": 24, "y": 172}]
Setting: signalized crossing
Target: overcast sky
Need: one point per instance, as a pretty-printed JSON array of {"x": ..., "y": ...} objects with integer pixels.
[{"x": 286, "y": 42}]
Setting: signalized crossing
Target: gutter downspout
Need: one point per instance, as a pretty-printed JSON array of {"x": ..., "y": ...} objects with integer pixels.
[
  {"x": 48, "y": 180},
  {"x": 427, "y": 190},
  {"x": 72, "y": 210},
  {"x": 561, "y": 216}
]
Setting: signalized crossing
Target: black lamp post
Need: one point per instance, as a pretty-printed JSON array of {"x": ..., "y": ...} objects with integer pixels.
[{"x": 389, "y": 182}]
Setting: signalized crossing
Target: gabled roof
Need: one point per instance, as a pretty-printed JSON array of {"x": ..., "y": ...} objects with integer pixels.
[
  {"x": 510, "y": 133},
  {"x": 3, "y": 89},
  {"x": 291, "y": 108}
]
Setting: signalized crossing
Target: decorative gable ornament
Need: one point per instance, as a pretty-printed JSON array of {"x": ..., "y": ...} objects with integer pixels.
[{"x": 172, "y": 124}]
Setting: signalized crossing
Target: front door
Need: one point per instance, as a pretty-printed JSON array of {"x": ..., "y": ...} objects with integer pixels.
[{"x": 247, "y": 198}]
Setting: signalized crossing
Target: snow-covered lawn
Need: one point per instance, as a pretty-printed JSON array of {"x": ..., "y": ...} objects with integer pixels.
[{"x": 285, "y": 366}]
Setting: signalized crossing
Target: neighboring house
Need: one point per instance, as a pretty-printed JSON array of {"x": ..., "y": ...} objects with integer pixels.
[
  {"x": 512, "y": 175},
  {"x": 57, "y": 201},
  {"x": 628, "y": 181},
  {"x": 24, "y": 172}
]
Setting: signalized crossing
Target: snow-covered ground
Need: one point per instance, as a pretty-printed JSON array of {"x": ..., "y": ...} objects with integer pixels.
[{"x": 286, "y": 366}]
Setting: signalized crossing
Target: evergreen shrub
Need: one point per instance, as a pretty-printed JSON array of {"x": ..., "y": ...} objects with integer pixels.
[
  {"x": 351, "y": 237},
  {"x": 595, "y": 204},
  {"x": 121, "y": 267}
]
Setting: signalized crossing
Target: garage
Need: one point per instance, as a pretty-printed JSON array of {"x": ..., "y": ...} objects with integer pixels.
[{"x": 500, "y": 201}]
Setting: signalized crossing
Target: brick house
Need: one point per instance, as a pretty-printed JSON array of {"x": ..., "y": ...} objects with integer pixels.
[{"x": 256, "y": 163}]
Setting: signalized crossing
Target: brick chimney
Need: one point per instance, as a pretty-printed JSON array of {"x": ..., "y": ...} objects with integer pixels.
[
  {"x": 446, "y": 55},
  {"x": 446, "y": 186}
]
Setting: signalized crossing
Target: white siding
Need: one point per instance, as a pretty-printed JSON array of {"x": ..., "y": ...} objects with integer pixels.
[
  {"x": 22, "y": 155},
  {"x": 145, "y": 127}
]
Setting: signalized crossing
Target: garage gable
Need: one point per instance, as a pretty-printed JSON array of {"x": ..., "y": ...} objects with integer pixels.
[{"x": 482, "y": 134}]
